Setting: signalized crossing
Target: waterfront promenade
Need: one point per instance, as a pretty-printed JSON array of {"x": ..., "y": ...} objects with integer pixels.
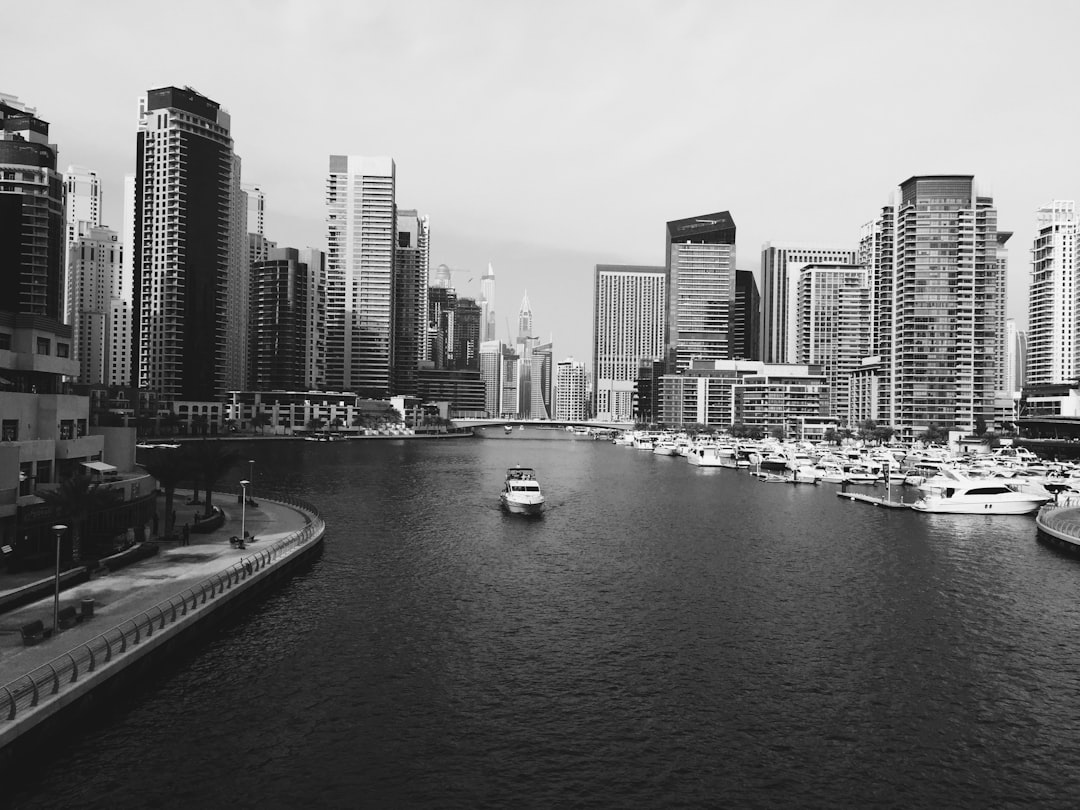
[{"x": 129, "y": 592}]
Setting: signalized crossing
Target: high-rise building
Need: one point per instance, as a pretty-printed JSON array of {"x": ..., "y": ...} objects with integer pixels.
[
  {"x": 491, "y": 354},
  {"x": 487, "y": 305},
  {"x": 833, "y": 309},
  {"x": 279, "y": 289},
  {"x": 93, "y": 268},
  {"x": 82, "y": 211},
  {"x": 629, "y": 308},
  {"x": 255, "y": 202},
  {"x": 1053, "y": 315},
  {"x": 410, "y": 299},
  {"x": 442, "y": 302},
  {"x": 570, "y": 391},
  {"x": 938, "y": 287},
  {"x": 540, "y": 380},
  {"x": 466, "y": 334},
  {"x": 361, "y": 225},
  {"x": 780, "y": 266},
  {"x": 314, "y": 320},
  {"x": 186, "y": 249},
  {"x": 238, "y": 289},
  {"x": 746, "y": 320},
  {"x": 700, "y": 291},
  {"x": 1016, "y": 349}
]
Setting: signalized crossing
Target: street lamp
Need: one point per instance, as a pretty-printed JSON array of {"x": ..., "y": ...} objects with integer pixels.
[
  {"x": 243, "y": 512},
  {"x": 59, "y": 530},
  {"x": 251, "y": 471}
]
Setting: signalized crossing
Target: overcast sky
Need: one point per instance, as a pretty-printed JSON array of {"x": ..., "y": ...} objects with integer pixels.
[{"x": 547, "y": 137}]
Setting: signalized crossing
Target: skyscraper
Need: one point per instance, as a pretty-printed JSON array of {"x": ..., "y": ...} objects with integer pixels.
[
  {"x": 93, "y": 268},
  {"x": 746, "y": 319},
  {"x": 1053, "y": 315},
  {"x": 410, "y": 299},
  {"x": 361, "y": 225},
  {"x": 185, "y": 251},
  {"x": 939, "y": 296},
  {"x": 833, "y": 309},
  {"x": 700, "y": 291},
  {"x": 780, "y": 266},
  {"x": 570, "y": 393},
  {"x": 629, "y": 308},
  {"x": 487, "y": 305},
  {"x": 279, "y": 290}
]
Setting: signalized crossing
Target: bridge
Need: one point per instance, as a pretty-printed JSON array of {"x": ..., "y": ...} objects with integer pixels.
[{"x": 543, "y": 423}]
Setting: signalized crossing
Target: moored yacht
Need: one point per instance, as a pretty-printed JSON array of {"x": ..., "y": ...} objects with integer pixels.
[{"x": 957, "y": 494}]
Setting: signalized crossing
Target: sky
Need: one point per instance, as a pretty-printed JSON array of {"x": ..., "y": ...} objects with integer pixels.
[{"x": 547, "y": 137}]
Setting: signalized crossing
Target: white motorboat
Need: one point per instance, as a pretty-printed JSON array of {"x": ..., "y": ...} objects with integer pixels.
[
  {"x": 707, "y": 455},
  {"x": 521, "y": 492},
  {"x": 957, "y": 494}
]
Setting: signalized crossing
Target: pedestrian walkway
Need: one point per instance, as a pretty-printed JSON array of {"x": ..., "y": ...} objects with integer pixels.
[{"x": 126, "y": 593}]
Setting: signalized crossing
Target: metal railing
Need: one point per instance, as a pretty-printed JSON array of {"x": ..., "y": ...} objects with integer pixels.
[{"x": 48, "y": 680}]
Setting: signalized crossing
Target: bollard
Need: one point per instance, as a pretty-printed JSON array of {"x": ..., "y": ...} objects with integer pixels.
[{"x": 87, "y": 608}]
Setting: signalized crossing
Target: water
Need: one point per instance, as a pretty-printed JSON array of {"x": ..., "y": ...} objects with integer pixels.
[{"x": 664, "y": 636}]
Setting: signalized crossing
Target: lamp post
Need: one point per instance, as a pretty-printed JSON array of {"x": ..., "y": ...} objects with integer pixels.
[
  {"x": 58, "y": 530},
  {"x": 251, "y": 472},
  {"x": 243, "y": 512}
]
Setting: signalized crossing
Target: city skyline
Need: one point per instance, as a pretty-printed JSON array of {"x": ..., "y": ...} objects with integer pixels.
[{"x": 513, "y": 151}]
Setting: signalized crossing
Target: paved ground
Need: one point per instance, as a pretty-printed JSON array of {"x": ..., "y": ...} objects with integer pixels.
[{"x": 131, "y": 590}]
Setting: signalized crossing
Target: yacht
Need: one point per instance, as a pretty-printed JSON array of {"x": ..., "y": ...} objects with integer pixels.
[
  {"x": 954, "y": 493},
  {"x": 521, "y": 492},
  {"x": 709, "y": 455}
]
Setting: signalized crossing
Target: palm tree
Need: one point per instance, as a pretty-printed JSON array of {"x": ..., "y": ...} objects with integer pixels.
[
  {"x": 315, "y": 424},
  {"x": 170, "y": 468},
  {"x": 261, "y": 420},
  {"x": 77, "y": 499},
  {"x": 209, "y": 463},
  {"x": 200, "y": 424},
  {"x": 171, "y": 421}
]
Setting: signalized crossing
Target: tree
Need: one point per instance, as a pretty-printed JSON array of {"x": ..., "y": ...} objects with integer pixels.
[
  {"x": 170, "y": 468},
  {"x": 934, "y": 434},
  {"x": 831, "y": 436},
  {"x": 777, "y": 432},
  {"x": 77, "y": 499},
  {"x": 200, "y": 424},
  {"x": 170, "y": 422},
  {"x": 261, "y": 420},
  {"x": 209, "y": 461},
  {"x": 980, "y": 426},
  {"x": 315, "y": 424}
]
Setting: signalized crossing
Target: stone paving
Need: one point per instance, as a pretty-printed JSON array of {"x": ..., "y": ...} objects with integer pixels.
[{"x": 129, "y": 591}]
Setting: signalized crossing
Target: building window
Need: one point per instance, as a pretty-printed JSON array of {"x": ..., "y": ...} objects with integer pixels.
[
  {"x": 67, "y": 429},
  {"x": 62, "y": 350},
  {"x": 9, "y": 430},
  {"x": 44, "y": 346},
  {"x": 5, "y": 341}
]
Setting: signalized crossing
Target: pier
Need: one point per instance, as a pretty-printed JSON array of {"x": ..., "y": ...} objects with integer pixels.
[{"x": 874, "y": 500}]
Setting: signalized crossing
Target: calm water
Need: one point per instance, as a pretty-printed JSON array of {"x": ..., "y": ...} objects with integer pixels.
[{"x": 664, "y": 636}]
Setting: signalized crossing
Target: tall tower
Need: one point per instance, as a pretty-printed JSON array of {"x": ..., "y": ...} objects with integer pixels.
[
  {"x": 700, "y": 289},
  {"x": 746, "y": 320},
  {"x": 629, "y": 308},
  {"x": 93, "y": 294},
  {"x": 361, "y": 225},
  {"x": 279, "y": 287},
  {"x": 570, "y": 394},
  {"x": 780, "y": 267},
  {"x": 833, "y": 309},
  {"x": 410, "y": 299},
  {"x": 82, "y": 211},
  {"x": 487, "y": 305},
  {"x": 184, "y": 249},
  {"x": 943, "y": 357},
  {"x": 31, "y": 214},
  {"x": 1053, "y": 315},
  {"x": 525, "y": 319}
]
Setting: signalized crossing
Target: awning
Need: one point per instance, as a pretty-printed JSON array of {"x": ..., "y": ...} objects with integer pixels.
[{"x": 99, "y": 466}]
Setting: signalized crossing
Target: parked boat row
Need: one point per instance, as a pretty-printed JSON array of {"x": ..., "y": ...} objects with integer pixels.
[{"x": 1008, "y": 481}]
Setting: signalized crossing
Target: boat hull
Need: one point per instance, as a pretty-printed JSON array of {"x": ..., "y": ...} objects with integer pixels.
[
  {"x": 949, "y": 506},
  {"x": 519, "y": 506}
]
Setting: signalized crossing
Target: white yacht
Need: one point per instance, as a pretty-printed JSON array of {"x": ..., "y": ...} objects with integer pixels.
[
  {"x": 954, "y": 493},
  {"x": 709, "y": 455},
  {"x": 521, "y": 492}
]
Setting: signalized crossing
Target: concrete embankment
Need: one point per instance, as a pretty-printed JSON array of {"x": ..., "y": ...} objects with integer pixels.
[{"x": 134, "y": 618}]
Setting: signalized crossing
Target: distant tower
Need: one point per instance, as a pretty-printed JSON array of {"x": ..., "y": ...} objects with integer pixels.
[
  {"x": 1053, "y": 315},
  {"x": 487, "y": 305},
  {"x": 570, "y": 392},
  {"x": 780, "y": 266},
  {"x": 93, "y": 299},
  {"x": 629, "y": 307},
  {"x": 361, "y": 225},
  {"x": 441, "y": 277},
  {"x": 410, "y": 299},
  {"x": 525, "y": 319}
]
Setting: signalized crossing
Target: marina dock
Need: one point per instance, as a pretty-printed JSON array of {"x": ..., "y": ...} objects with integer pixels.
[{"x": 873, "y": 499}]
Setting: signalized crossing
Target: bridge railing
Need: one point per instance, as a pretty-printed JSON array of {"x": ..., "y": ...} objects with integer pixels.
[{"x": 50, "y": 679}]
